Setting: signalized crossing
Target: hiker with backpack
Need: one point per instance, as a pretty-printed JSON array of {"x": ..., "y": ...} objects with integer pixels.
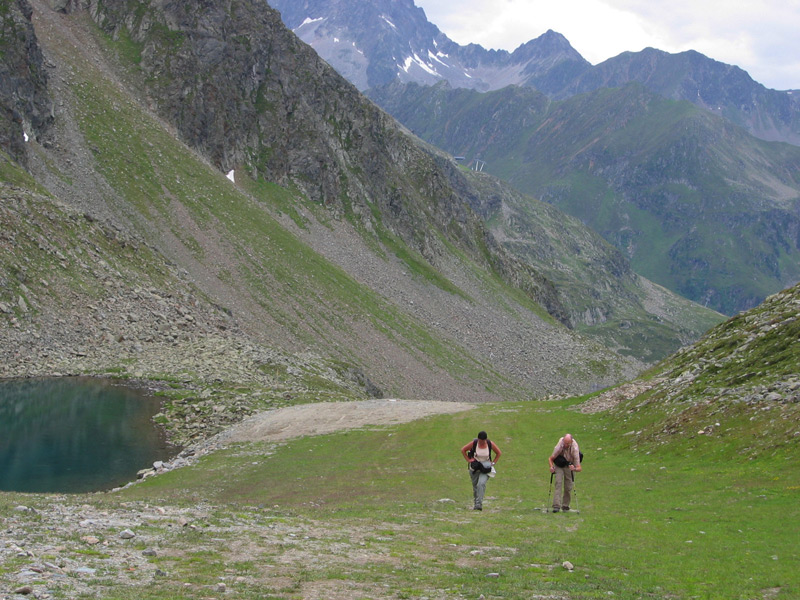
[
  {"x": 564, "y": 462},
  {"x": 478, "y": 454}
]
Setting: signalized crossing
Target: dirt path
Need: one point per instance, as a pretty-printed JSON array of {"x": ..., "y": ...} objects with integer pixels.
[{"x": 327, "y": 417}]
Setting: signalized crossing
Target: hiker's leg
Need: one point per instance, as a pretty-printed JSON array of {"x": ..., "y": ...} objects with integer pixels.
[
  {"x": 559, "y": 486},
  {"x": 474, "y": 475},
  {"x": 568, "y": 483},
  {"x": 480, "y": 489}
]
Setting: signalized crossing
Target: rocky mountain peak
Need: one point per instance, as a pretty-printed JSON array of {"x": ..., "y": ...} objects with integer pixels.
[
  {"x": 549, "y": 44},
  {"x": 376, "y": 43}
]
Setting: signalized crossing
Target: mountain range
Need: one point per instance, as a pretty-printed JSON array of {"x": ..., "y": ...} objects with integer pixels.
[{"x": 378, "y": 42}]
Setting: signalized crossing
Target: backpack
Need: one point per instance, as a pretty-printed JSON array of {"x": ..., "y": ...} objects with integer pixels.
[{"x": 560, "y": 461}]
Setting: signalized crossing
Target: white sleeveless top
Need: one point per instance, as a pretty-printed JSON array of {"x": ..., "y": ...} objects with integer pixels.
[{"x": 482, "y": 454}]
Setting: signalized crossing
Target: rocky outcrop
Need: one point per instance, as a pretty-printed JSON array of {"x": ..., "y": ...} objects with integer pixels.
[
  {"x": 743, "y": 371},
  {"x": 26, "y": 110}
]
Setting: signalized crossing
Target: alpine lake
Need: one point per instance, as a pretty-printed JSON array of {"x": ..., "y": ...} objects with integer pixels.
[{"x": 76, "y": 434}]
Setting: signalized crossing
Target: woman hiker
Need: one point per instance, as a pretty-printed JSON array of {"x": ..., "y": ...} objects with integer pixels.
[{"x": 478, "y": 454}]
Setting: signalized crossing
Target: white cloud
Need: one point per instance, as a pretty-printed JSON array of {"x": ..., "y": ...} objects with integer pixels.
[{"x": 759, "y": 36}]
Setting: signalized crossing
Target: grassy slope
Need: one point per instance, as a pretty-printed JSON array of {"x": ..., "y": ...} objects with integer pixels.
[
  {"x": 228, "y": 237},
  {"x": 660, "y": 524},
  {"x": 384, "y": 512},
  {"x": 46, "y": 246},
  {"x": 155, "y": 172}
]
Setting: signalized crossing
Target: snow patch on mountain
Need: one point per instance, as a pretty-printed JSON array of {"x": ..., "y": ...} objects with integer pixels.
[
  {"x": 414, "y": 59},
  {"x": 435, "y": 57},
  {"x": 308, "y": 21}
]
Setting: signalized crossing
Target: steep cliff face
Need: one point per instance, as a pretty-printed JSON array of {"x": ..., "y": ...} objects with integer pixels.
[{"x": 25, "y": 108}]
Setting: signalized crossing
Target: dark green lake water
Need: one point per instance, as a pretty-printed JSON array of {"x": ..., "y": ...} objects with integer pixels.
[{"x": 75, "y": 435}]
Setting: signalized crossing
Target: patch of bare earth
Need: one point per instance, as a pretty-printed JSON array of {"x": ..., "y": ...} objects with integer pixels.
[{"x": 328, "y": 417}]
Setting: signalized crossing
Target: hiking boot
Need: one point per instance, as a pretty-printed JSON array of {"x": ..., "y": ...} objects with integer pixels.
[
  {"x": 555, "y": 510},
  {"x": 565, "y": 508},
  {"x": 477, "y": 508}
]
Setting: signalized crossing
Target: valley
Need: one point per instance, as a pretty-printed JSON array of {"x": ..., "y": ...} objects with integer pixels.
[{"x": 326, "y": 308}]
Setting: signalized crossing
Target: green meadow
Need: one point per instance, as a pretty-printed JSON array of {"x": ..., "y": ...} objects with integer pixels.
[{"x": 385, "y": 513}]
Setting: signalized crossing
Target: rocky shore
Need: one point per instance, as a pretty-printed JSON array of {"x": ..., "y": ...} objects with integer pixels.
[{"x": 56, "y": 546}]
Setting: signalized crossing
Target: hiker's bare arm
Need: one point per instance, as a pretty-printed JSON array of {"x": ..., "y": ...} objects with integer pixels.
[
  {"x": 497, "y": 452},
  {"x": 467, "y": 447}
]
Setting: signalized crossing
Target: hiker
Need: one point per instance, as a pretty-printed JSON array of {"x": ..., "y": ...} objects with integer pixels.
[
  {"x": 564, "y": 461},
  {"x": 478, "y": 454}
]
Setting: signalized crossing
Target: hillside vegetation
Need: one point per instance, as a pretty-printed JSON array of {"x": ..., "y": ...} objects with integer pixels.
[
  {"x": 696, "y": 204},
  {"x": 739, "y": 385}
]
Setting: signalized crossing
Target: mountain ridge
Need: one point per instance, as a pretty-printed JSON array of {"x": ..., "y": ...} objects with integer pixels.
[
  {"x": 547, "y": 63},
  {"x": 376, "y": 43}
]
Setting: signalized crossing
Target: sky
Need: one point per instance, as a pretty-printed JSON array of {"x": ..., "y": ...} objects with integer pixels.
[{"x": 760, "y": 36}]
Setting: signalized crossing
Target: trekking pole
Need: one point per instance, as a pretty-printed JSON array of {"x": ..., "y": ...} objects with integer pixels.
[
  {"x": 575, "y": 494},
  {"x": 549, "y": 495}
]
